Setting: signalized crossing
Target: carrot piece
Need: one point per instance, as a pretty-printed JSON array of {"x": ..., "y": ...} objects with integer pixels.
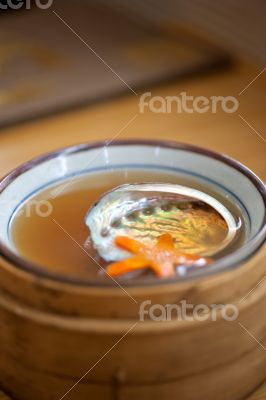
[
  {"x": 162, "y": 258},
  {"x": 166, "y": 241},
  {"x": 128, "y": 265},
  {"x": 132, "y": 245}
]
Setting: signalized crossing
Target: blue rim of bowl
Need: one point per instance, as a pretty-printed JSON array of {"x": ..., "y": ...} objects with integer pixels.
[{"x": 228, "y": 262}]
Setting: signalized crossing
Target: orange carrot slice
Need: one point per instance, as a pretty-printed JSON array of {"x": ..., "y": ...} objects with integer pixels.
[{"x": 161, "y": 258}]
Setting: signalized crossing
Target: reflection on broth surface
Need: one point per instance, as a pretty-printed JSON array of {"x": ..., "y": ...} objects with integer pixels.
[{"x": 55, "y": 239}]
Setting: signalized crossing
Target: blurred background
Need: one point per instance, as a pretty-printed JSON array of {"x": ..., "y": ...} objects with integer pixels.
[
  {"x": 75, "y": 71},
  {"x": 45, "y": 68}
]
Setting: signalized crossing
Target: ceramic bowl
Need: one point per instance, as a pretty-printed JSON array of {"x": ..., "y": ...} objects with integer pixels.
[{"x": 225, "y": 178}]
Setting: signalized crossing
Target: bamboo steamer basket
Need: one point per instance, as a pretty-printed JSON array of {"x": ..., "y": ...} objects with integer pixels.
[
  {"x": 61, "y": 339},
  {"x": 53, "y": 333}
]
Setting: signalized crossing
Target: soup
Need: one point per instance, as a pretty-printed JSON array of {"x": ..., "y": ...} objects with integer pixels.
[{"x": 49, "y": 229}]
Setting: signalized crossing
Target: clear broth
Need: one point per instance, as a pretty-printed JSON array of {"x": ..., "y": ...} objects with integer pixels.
[{"x": 55, "y": 242}]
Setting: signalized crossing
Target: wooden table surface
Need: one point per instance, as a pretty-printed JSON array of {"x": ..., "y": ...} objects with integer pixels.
[{"x": 238, "y": 134}]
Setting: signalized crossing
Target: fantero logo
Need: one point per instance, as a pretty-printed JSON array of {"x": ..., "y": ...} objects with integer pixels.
[{"x": 28, "y": 4}]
